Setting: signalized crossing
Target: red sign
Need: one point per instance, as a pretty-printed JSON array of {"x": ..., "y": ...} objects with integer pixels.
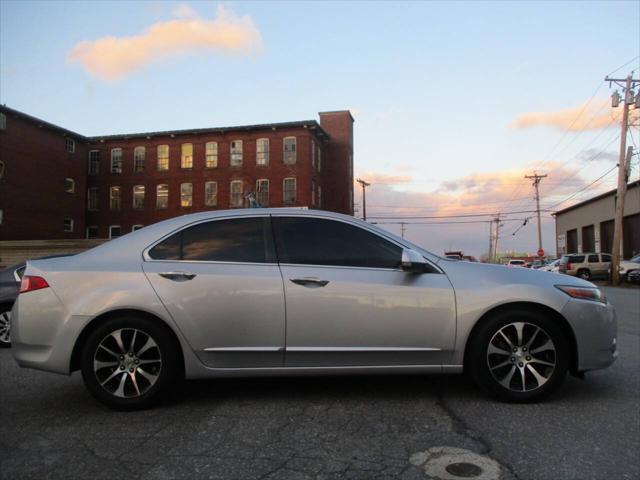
[{"x": 541, "y": 253}]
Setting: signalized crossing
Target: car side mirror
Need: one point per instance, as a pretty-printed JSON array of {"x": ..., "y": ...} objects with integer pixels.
[{"x": 413, "y": 262}]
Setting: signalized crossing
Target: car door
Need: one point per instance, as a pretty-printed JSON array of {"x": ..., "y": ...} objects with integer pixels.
[
  {"x": 605, "y": 266},
  {"x": 348, "y": 303},
  {"x": 593, "y": 264},
  {"x": 220, "y": 282}
]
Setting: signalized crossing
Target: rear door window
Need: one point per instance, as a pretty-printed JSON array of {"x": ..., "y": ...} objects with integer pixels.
[
  {"x": 594, "y": 259},
  {"x": 606, "y": 258}
]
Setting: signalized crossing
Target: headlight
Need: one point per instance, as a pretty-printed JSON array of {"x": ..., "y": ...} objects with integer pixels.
[{"x": 584, "y": 293}]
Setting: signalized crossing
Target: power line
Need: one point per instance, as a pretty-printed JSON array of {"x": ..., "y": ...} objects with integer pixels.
[
  {"x": 584, "y": 188},
  {"x": 471, "y": 215}
]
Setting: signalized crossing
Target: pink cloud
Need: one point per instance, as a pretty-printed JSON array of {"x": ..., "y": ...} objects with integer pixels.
[
  {"x": 111, "y": 58},
  {"x": 593, "y": 116}
]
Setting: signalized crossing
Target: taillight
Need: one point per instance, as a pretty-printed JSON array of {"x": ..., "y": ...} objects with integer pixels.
[
  {"x": 30, "y": 283},
  {"x": 568, "y": 267}
]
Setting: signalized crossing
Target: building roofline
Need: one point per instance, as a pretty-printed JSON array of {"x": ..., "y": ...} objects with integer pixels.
[
  {"x": 337, "y": 111},
  {"x": 312, "y": 125},
  {"x": 41, "y": 123},
  {"x": 633, "y": 184}
]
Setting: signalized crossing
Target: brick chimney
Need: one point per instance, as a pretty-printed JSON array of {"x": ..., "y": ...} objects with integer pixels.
[{"x": 337, "y": 162}]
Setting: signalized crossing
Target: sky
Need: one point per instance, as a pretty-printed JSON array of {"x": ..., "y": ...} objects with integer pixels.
[{"x": 454, "y": 102}]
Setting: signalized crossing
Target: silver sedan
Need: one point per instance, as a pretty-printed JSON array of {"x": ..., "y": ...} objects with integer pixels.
[{"x": 293, "y": 292}]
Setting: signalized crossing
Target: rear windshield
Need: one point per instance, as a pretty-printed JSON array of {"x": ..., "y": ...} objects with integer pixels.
[{"x": 517, "y": 262}]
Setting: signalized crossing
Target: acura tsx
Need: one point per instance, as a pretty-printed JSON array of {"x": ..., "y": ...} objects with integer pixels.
[{"x": 293, "y": 292}]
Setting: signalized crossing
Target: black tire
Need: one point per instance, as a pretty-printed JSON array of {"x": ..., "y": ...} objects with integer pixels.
[
  {"x": 522, "y": 387},
  {"x": 5, "y": 326},
  {"x": 136, "y": 391},
  {"x": 584, "y": 273}
]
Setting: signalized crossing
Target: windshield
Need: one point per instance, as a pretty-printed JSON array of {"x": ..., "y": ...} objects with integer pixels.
[{"x": 635, "y": 259}]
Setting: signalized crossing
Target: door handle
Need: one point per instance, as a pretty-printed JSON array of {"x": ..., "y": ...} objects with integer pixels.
[
  {"x": 309, "y": 282},
  {"x": 178, "y": 276}
]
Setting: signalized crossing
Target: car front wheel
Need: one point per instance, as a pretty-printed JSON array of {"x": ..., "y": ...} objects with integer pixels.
[
  {"x": 519, "y": 356},
  {"x": 128, "y": 362},
  {"x": 5, "y": 327}
]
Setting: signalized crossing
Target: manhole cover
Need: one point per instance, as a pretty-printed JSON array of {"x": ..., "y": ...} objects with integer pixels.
[
  {"x": 463, "y": 470},
  {"x": 450, "y": 463}
]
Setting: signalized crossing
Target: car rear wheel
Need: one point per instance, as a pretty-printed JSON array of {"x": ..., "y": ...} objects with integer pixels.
[
  {"x": 128, "y": 362},
  {"x": 5, "y": 327},
  {"x": 584, "y": 274},
  {"x": 519, "y": 356}
]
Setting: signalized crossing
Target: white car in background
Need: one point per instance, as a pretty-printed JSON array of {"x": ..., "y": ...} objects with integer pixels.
[
  {"x": 516, "y": 263},
  {"x": 551, "y": 267}
]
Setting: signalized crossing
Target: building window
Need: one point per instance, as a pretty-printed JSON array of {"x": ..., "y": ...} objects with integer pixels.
[
  {"x": 3, "y": 121},
  {"x": 70, "y": 145},
  {"x": 163, "y": 158},
  {"x": 136, "y": 227},
  {"x": 92, "y": 199},
  {"x": 211, "y": 194},
  {"x": 114, "y": 231},
  {"x": 162, "y": 196},
  {"x": 289, "y": 144},
  {"x": 262, "y": 151},
  {"x": 211, "y": 155},
  {"x": 236, "y": 153},
  {"x": 313, "y": 154},
  {"x": 313, "y": 193},
  {"x": 138, "y": 159},
  {"x": 289, "y": 191},
  {"x": 138, "y": 197},
  {"x": 1, "y": 169},
  {"x": 236, "y": 194},
  {"x": 94, "y": 162},
  {"x": 114, "y": 198},
  {"x": 186, "y": 194},
  {"x": 186, "y": 155},
  {"x": 262, "y": 192},
  {"x": 69, "y": 185},
  {"x": 116, "y": 160},
  {"x": 92, "y": 232},
  {"x": 319, "y": 196},
  {"x": 68, "y": 224},
  {"x": 319, "y": 164}
]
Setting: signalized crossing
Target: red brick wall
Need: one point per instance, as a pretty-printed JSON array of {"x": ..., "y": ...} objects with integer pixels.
[
  {"x": 249, "y": 173},
  {"x": 337, "y": 162},
  {"x": 32, "y": 192}
]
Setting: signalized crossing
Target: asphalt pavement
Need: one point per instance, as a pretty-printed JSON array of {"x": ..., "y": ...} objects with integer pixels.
[{"x": 377, "y": 427}]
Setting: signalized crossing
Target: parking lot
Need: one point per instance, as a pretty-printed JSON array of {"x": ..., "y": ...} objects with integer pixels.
[{"x": 327, "y": 427}]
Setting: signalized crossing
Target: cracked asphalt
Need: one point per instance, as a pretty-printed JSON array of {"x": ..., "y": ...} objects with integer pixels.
[{"x": 325, "y": 427}]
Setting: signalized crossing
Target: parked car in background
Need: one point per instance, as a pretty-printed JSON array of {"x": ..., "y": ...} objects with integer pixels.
[
  {"x": 285, "y": 291},
  {"x": 552, "y": 266},
  {"x": 516, "y": 263},
  {"x": 627, "y": 267},
  {"x": 633, "y": 276},
  {"x": 10, "y": 279},
  {"x": 585, "y": 265}
]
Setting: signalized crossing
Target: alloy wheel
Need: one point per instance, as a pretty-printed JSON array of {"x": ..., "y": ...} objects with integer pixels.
[
  {"x": 127, "y": 363},
  {"x": 5, "y": 327},
  {"x": 521, "y": 357}
]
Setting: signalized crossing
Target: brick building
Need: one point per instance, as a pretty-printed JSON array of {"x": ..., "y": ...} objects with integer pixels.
[{"x": 57, "y": 184}]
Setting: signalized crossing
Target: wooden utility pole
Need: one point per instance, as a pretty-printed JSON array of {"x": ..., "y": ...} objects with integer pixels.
[
  {"x": 536, "y": 182},
  {"x": 495, "y": 243},
  {"x": 364, "y": 197},
  {"x": 627, "y": 99}
]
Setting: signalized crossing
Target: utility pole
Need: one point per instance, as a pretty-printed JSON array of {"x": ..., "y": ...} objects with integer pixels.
[
  {"x": 403, "y": 228},
  {"x": 364, "y": 197},
  {"x": 536, "y": 182},
  {"x": 490, "y": 256},
  {"x": 627, "y": 99},
  {"x": 495, "y": 243}
]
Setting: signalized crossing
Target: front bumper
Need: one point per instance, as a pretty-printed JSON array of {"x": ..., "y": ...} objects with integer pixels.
[{"x": 595, "y": 328}]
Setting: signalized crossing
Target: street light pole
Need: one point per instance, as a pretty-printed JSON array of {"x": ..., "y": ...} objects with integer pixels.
[{"x": 364, "y": 197}]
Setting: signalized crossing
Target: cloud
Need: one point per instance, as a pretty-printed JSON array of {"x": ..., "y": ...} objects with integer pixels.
[
  {"x": 111, "y": 58},
  {"x": 588, "y": 116},
  {"x": 595, "y": 155}
]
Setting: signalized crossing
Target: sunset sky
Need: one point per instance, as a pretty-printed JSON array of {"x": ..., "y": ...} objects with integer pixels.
[{"x": 454, "y": 102}]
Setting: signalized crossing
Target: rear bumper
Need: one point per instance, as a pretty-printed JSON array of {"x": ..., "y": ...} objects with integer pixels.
[
  {"x": 42, "y": 334},
  {"x": 595, "y": 327}
]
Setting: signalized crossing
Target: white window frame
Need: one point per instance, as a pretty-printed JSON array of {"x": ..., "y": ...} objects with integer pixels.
[
  {"x": 137, "y": 226},
  {"x": 139, "y": 156},
  {"x": 262, "y": 155},
  {"x": 133, "y": 199},
  {"x": 111, "y": 227},
  {"x": 116, "y": 160},
  {"x": 158, "y": 207},
  {"x": 285, "y": 201},
  {"x": 289, "y": 157},
  {"x": 262, "y": 199},
  {"x": 186, "y": 159},
  {"x": 186, "y": 198},
  {"x": 71, "y": 223},
  {"x": 237, "y": 158},
  {"x": 207, "y": 198},
  {"x": 211, "y": 155},
  {"x": 72, "y": 185},
  {"x": 70, "y": 145},
  {"x": 94, "y": 162},
  {"x": 92, "y": 201},
  {"x": 240, "y": 194},
  {"x": 116, "y": 198},
  {"x": 161, "y": 160}
]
